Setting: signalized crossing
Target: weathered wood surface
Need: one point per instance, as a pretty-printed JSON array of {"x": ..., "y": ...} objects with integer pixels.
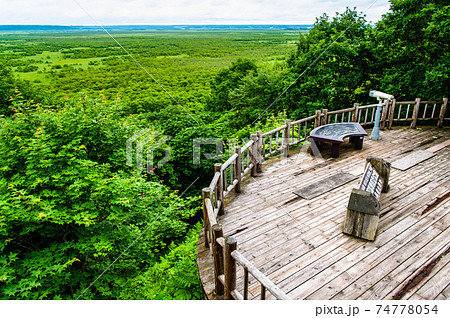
[
  {"x": 325, "y": 185},
  {"x": 362, "y": 215},
  {"x": 439, "y": 146},
  {"x": 412, "y": 159},
  {"x": 206, "y": 269},
  {"x": 371, "y": 181},
  {"x": 299, "y": 245},
  {"x": 383, "y": 168},
  {"x": 363, "y": 209}
]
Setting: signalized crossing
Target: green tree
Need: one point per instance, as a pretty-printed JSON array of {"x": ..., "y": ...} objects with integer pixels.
[
  {"x": 69, "y": 206},
  {"x": 7, "y": 86},
  {"x": 336, "y": 63},
  {"x": 228, "y": 79},
  {"x": 411, "y": 44},
  {"x": 175, "y": 276}
]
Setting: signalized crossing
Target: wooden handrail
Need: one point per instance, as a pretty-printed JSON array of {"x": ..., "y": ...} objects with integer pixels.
[
  {"x": 340, "y": 111},
  {"x": 302, "y": 120},
  {"x": 273, "y": 131},
  {"x": 431, "y": 102},
  {"x": 405, "y": 102},
  {"x": 367, "y": 106},
  {"x": 229, "y": 162},
  {"x": 214, "y": 180},
  {"x": 247, "y": 145},
  {"x": 260, "y": 277}
]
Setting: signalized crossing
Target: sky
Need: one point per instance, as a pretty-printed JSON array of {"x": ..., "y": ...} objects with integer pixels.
[{"x": 170, "y": 12}]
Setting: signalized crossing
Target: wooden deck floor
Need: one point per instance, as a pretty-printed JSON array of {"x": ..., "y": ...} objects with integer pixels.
[{"x": 299, "y": 243}]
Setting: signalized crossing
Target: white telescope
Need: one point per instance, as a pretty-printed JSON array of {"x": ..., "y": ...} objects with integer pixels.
[
  {"x": 376, "y": 127},
  {"x": 380, "y": 95}
]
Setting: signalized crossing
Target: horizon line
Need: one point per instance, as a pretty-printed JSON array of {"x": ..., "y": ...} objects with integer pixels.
[{"x": 163, "y": 24}]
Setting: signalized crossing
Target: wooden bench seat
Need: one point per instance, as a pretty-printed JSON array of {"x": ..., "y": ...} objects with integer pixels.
[{"x": 364, "y": 204}]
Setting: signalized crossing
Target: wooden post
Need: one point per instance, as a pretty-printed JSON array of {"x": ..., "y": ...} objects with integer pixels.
[
  {"x": 217, "y": 257},
  {"x": 263, "y": 292},
  {"x": 415, "y": 113},
  {"x": 355, "y": 112},
  {"x": 245, "y": 296},
  {"x": 391, "y": 114},
  {"x": 238, "y": 169},
  {"x": 442, "y": 113},
  {"x": 219, "y": 192},
  {"x": 286, "y": 138},
  {"x": 253, "y": 154},
  {"x": 230, "y": 266},
  {"x": 317, "y": 119},
  {"x": 259, "y": 151},
  {"x": 205, "y": 195},
  {"x": 384, "y": 114},
  {"x": 325, "y": 117}
]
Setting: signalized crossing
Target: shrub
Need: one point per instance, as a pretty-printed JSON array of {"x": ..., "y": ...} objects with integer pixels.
[{"x": 69, "y": 206}]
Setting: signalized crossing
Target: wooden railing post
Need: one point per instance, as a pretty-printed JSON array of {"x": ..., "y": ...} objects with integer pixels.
[
  {"x": 384, "y": 114},
  {"x": 317, "y": 119},
  {"x": 238, "y": 169},
  {"x": 230, "y": 267},
  {"x": 391, "y": 114},
  {"x": 259, "y": 151},
  {"x": 253, "y": 154},
  {"x": 355, "y": 112},
  {"x": 415, "y": 113},
  {"x": 442, "y": 113},
  {"x": 286, "y": 138},
  {"x": 205, "y": 195},
  {"x": 325, "y": 117},
  {"x": 217, "y": 258},
  {"x": 219, "y": 189}
]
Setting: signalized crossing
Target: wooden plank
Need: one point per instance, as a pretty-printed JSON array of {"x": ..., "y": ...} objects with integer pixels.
[
  {"x": 438, "y": 147},
  {"x": 446, "y": 292},
  {"x": 412, "y": 159},
  {"x": 320, "y": 187},
  {"x": 441, "y": 264},
  {"x": 439, "y": 283},
  {"x": 372, "y": 276},
  {"x": 286, "y": 240},
  {"x": 407, "y": 264},
  {"x": 387, "y": 243}
]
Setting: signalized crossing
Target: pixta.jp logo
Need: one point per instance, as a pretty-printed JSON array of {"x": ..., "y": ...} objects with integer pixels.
[{"x": 151, "y": 141}]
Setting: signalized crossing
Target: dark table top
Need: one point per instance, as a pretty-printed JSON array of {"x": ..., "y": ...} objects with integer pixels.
[{"x": 337, "y": 132}]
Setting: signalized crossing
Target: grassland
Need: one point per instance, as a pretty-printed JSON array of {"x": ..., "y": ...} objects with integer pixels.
[{"x": 45, "y": 58}]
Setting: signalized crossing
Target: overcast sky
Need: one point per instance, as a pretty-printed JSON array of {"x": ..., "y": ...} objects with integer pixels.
[{"x": 108, "y": 12}]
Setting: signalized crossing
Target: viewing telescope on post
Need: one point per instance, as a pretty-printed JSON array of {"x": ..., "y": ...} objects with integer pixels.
[
  {"x": 375, "y": 135},
  {"x": 380, "y": 95}
]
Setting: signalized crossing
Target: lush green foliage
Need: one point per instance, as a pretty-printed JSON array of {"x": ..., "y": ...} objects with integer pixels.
[
  {"x": 406, "y": 55},
  {"x": 411, "y": 45},
  {"x": 174, "y": 277},
  {"x": 344, "y": 72},
  {"x": 228, "y": 79},
  {"x": 6, "y": 86},
  {"x": 70, "y": 206}
]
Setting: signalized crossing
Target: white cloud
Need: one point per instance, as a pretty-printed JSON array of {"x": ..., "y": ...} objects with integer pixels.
[{"x": 67, "y": 12}]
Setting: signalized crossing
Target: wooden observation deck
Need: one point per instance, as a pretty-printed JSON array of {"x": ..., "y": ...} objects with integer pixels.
[{"x": 298, "y": 245}]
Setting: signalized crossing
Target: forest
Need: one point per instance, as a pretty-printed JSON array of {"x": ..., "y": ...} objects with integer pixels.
[{"x": 78, "y": 221}]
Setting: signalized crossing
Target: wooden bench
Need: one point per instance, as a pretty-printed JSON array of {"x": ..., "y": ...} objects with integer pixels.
[
  {"x": 335, "y": 133},
  {"x": 364, "y": 204}
]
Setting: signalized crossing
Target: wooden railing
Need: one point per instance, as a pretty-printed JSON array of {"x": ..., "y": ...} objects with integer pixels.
[
  {"x": 417, "y": 110},
  {"x": 248, "y": 159}
]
